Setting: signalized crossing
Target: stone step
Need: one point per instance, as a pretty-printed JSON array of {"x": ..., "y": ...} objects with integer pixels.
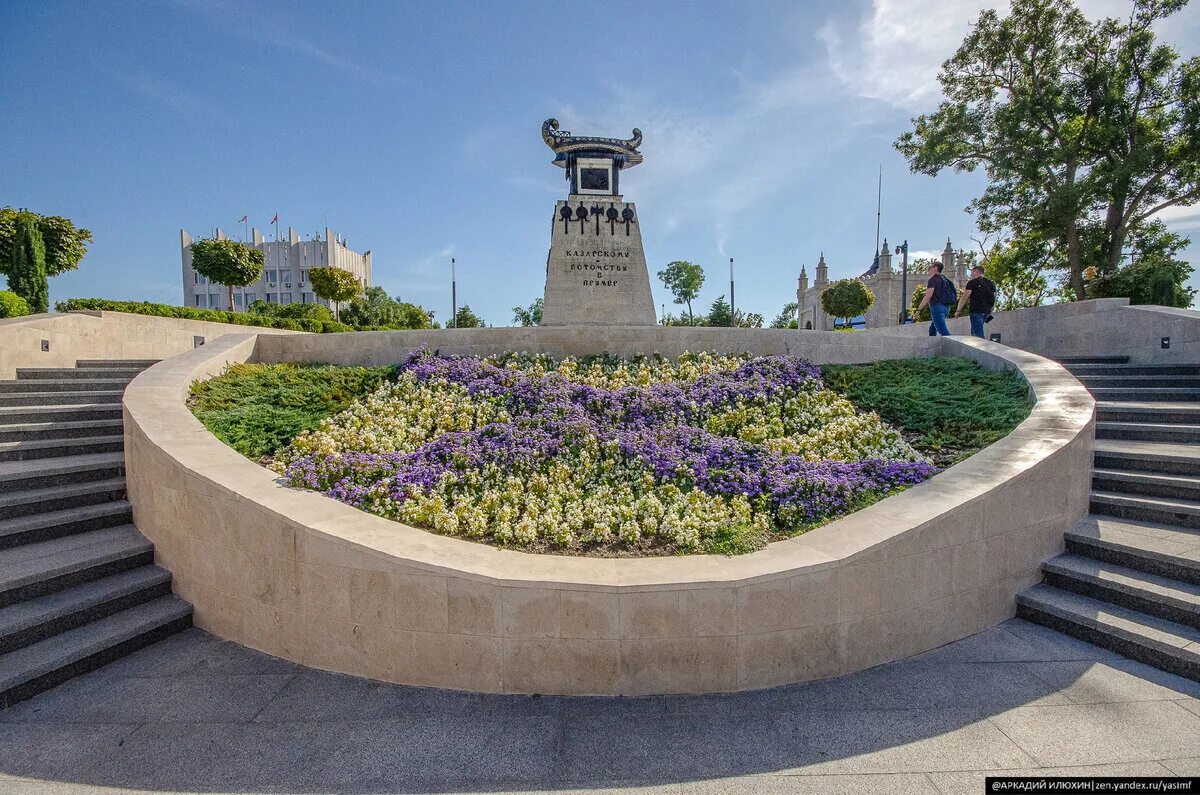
[
  {"x": 33, "y": 669},
  {"x": 54, "y": 448},
  {"x": 1153, "y": 594},
  {"x": 139, "y": 364},
  {"x": 33, "y": 431},
  {"x": 1173, "y": 511},
  {"x": 1148, "y": 431},
  {"x": 23, "y": 530},
  {"x": 76, "y": 399},
  {"x": 57, "y": 498},
  {"x": 18, "y": 415},
  {"x": 43, "y": 472},
  {"x": 37, "y": 619},
  {"x": 1146, "y": 483},
  {"x": 1164, "y": 411},
  {"x": 34, "y": 570},
  {"x": 1140, "y": 381},
  {"x": 1155, "y": 457},
  {"x": 1144, "y": 394},
  {"x": 1134, "y": 369},
  {"x": 1164, "y": 644},
  {"x": 1073, "y": 360},
  {"x": 63, "y": 385},
  {"x": 72, "y": 373},
  {"x": 1146, "y": 546}
]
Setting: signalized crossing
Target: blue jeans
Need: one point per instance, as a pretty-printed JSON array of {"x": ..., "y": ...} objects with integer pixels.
[
  {"x": 977, "y": 324},
  {"x": 938, "y": 326}
]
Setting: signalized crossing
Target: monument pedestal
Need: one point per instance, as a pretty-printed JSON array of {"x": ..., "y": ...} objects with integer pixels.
[{"x": 596, "y": 271}]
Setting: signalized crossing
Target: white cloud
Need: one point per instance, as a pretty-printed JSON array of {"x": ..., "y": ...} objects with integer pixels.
[
  {"x": 894, "y": 51},
  {"x": 711, "y": 167},
  {"x": 243, "y": 21},
  {"x": 165, "y": 93},
  {"x": 1180, "y": 219}
]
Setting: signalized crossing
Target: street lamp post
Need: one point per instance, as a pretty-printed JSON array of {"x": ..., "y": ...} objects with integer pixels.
[
  {"x": 732, "y": 312},
  {"x": 902, "y": 249},
  {"x": 453, "y": 294}
]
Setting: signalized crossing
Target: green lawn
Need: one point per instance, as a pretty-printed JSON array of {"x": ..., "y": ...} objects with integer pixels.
[
  {"x": 258, "y": 408},
  {"x": 947, "y": 408}
]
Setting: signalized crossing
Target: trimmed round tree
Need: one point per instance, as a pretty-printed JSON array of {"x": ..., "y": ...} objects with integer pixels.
[
  {"x": 227, "y": 262},
  {"x": 847, "y": 298},
  {"x": 334, "y": 284}
]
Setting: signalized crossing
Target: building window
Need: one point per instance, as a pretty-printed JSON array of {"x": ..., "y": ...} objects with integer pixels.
[
  {"x": 214, "y": 301},
  {"x": 272, "y": 276},
  {"x": 237, "y": 300},
  {"x": 303, "y": 275},
  {"x": 272, "y": 298},
  {"x": 249, "y": 298},
  {"x": 200, "y": 300},
  {"x": 306, "y": 298},
  {"x": 285, "y": 276},
  {"x": 285, "y": 298}
]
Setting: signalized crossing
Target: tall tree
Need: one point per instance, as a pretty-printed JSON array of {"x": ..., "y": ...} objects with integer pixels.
[
  {"x": 684, "y": 279},
  {"x": 1074, "y": 123},
  {"x": 531, "y": 315},
  {"x": 27, "y": 265},
  {"x": 467, "y": 318},
  {"x": 720, "y": 313},
  {"x": 227, "y": 262}
]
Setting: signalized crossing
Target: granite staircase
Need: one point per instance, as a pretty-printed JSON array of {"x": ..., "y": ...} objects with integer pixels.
[
  {"x": 78, "y": 584},
  {"x": 1129, "y": 579}
]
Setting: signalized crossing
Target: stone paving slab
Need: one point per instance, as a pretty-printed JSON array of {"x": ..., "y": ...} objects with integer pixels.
[{"x": 198, "y": 714}]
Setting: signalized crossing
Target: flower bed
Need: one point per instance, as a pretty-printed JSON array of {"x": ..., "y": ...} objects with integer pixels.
[{"x": 702, "y": 454}]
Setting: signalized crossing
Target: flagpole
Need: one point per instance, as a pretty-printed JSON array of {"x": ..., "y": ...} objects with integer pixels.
[{"x": 453, "y": 293}]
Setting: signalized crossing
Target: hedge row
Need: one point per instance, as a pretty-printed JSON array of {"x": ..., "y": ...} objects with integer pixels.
[{"x": 209, "y": 315}]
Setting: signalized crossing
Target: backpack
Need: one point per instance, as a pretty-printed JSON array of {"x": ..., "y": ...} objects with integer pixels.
[{"x": 945, "y": 293}]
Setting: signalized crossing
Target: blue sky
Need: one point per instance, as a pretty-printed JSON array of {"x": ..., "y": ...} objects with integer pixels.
[{"x": 413, "y": 130}]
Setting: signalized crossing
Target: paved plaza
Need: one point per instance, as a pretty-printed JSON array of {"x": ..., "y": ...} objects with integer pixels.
[{"x": 198, "y": 714}]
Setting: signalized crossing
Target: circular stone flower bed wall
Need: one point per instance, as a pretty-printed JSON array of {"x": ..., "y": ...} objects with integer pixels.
[{"x": 307, "y": 578}]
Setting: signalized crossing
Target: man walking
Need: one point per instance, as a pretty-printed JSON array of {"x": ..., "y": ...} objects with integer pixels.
[
  {"x": 939, "y": 296},
  {"x": 981, "y": 292}
]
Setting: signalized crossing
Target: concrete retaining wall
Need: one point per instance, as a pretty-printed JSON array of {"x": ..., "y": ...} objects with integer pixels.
[
  {"x": 307, "y": 578},
  {"x": 101, "y": 335},
  {"x": 1090, "y": 328}
]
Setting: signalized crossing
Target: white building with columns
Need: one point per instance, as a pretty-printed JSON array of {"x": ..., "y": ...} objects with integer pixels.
[
  {"x": 885, "y": 281},
  {"x": 285, "y": 270}
]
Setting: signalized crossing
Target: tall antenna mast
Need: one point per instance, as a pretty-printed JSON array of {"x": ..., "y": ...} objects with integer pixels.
[{"x": 878, "y": 207}]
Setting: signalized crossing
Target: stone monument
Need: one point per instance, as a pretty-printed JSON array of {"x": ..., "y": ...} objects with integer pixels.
[{"x": 596, "y": 270}]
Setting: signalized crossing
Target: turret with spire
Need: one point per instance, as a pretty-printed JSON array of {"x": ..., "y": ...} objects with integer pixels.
[
  {"x": 948, "y": 269},
  {"x": 822, "y": 271},
  {"x": 885, "y": 258},
  {"x": 802, "y": 282}
]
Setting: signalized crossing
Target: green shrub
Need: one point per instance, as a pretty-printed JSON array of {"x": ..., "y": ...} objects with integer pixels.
[
  {"x": 318, "y": 323},
  {"x": 258, "y": 408},
  {"x": 13, "y": 305},
  {"x": 948, "y": 408}
]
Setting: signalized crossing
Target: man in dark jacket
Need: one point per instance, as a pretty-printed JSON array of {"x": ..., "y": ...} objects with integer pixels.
[
  {"x": 939, "y": 297},
  {"x": 981, "y": 292}
]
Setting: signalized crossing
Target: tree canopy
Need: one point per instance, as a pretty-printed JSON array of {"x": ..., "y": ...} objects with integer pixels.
[
  {"x": 684, "y": 279},
  {"x": 27, "y": 265},
  {"x": 787, "y": 316},
  {"x": 374, "y": 307},
  {"x": 65, "y": 244},
  {"x": 227, "y": 262},
  {"x": 529, "y": 316},
  {"x": 465, "y": 318},
  {"x": 334, "y": 284},
  {"x": 1084, "y": 129}
]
